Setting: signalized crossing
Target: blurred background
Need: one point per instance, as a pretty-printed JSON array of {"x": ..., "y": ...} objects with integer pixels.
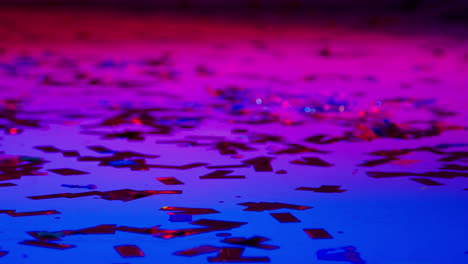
[{"x": 435, "y": 6}]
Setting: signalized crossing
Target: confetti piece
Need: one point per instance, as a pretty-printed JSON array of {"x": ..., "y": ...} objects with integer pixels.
[
  {"x": 129, "y": 251},
  {"x": 35, "y": 213},
  {"x": 46, "y": 244},
  {"x": 3, "y": 253},
  {"x": 454, "y": 167},
  {"x": 169, "y": 181},
  {"x": 221, "y": 174},
  {"x": 372, "y": 163},
  {"x": 70, "y": 153},
  {"x": 265, "y": 206},
  {"x": 312, "y": 162},
  {"x": 260, "y": 164},
  {"x": 47, "y": 236},
  {"x": 124, "y": 195},
  {"x": 318, "y": 233},
  {"x": 189, "y": 211},
  {"x": 7, "y": 184},
  {"x": 281, "y": 172},
  {"x": 255, "y": 242},
  {"x": 296, "y": 149},
  {"x": 427, "y": 182},
  {"x": 285, "y": 217},
  {"x": 205, "y": 249},
  {"x": 183, "y": 167},
  {"x": 48, "y": 149},
  {"x": 323, "y": 189},
  {"x": 68, "y": 172}
]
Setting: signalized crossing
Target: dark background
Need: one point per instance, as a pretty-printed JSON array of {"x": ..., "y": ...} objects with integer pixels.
[{"x": 333, "y": 4}]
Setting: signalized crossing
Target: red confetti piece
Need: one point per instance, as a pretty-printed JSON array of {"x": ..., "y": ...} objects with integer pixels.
[
  {"x": 205, "y": 249},
  {"x": 7, "y": 184},
  {"x": 265, "y": 206},
  {"x": 189, "y": 211},
  {"x": 68, "y": 172},
  {"x": 312, "y": 162},
  {"x": 47, "y": 236},
  {"x": 124, "y": 195},
  {"x": 70, "y": 153},
  {"x": 100, "y": 229},
  {"x": 255, "y": 242},
  {"x": 427, "y": 182},
  {"x": 323, "y": 139},
  {"x": 285, "y": 217},
  {"x": 183, "y": 167},
  {"x": 230, "y": 148},
  {"x": 3, "y": 253},
  {"x": 46, "y": 244},
  {"x": 323, "y": 189},
  {"x": 209, "y": 226},
  {"x": 48, "y": 149},
  {"x": 221, "y": 174},
  {"x": 169, "y": 181},
  {"x": 100, "y": 149},
  {"x": 372, "y": 163},
  {"x": 318, "y": 233},
  {"x": 297, "y": 148},
  {"x": 129, "y": 251},
  {"x": 454, "y": 167},
  {"x": 260, "y": 164},
  {"x": 35, "y": 213}
]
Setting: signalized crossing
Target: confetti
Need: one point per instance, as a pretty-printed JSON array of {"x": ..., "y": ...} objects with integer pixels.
[
  {"x": 129, "y": 251},
  {"x": 260, "y": 164},
  {"x": 318, "y": 233},
  {"x": 285, "y": 217},
  {"x": 427, "y": 182},
  {"x": 46, "y": 244},
  {"x": 169, "y": 181},
  {"x": 189, "y": 211},
  {"x": 312, "y": 162},
  {"x": 255, "y": 242},
  {"x": 35, "y": 213},
  {"x": 124, "y": 195},
  {"x": 7, "y": 184},
  {"x": 323, "y": 189},
  {"x": 265, "y": 206},
  {"x": 221, "y": 174},
  {"x": 205, "y": 249},
  {"x": 68, "y": 172}
]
